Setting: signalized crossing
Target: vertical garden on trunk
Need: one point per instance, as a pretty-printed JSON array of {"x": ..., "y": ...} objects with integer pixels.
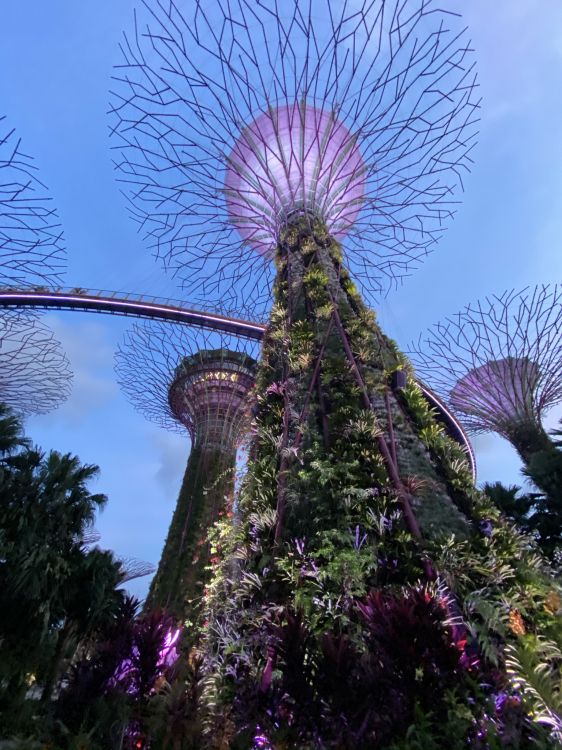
[
  {"x": 364, "y": 593},
  {"x": 364, "y": 586},
  {"x": 178, "y": 583},
  {"x": 183, "y": 381}
]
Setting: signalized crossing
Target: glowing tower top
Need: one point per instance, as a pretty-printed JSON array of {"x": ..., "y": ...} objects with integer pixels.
[{"x": 209, "y": 395}]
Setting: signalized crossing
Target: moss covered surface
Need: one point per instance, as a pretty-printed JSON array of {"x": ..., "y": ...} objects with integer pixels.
[
  {"x": 181, "y": 575},
  {"x": 365, "y": 594}
]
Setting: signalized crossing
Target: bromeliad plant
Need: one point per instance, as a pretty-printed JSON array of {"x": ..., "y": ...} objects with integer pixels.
[{"x": 362, "y": 572}]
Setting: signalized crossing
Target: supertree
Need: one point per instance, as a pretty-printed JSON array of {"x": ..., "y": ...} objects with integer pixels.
[
  {"x": 253, "y": 132},
  {"x": 199, "y": 383},
  {"x": 31, "y": 245},
  {"x": 35, "y": 374},
  {"x": 232, "y": 124},
  {"x": 131, "y": 567},
  {"x": 498, "y": 362}
]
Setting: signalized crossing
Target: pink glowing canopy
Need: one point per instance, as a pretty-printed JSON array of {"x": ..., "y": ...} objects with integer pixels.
[
  {"x": 503, "y": 390},
  {"x": 292, "y": 160}
]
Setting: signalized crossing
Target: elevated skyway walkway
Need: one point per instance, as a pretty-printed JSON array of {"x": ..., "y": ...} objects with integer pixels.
[
  {"x": 145, "y": 306},
  {"x": 135, "y": 305}
]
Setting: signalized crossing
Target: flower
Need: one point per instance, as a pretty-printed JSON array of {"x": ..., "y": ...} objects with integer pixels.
[
  {"x": 278, "y": 389},
  {"x": 515, "y": 622},
  {"x": 486, "y": 526}
]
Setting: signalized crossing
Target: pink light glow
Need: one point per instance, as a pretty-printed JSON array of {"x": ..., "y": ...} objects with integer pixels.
[
  {"x": 126, "y": 673},
  {"x": 169, "y": 652},
  {"x": 502, "y": 388},
  {"x": 290, "y": 160}
]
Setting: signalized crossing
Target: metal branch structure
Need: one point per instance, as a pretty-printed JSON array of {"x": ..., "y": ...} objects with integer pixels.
[
  {"x": 252, "y": 131},
  {"x": 195, "y": 382},
  {"x": 498, "y": 363},
  {"x": 233, "y": 120},
  {"x": 131, "y": 568},
  {"x": 31, "y": 242},
  {"x": 35, "y": 374}
]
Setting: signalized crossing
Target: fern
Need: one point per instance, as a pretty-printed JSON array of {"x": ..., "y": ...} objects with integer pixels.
[{"x": 534, "y": 666}]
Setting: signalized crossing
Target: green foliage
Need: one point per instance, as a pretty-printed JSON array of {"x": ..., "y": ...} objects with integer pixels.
[
  {"x": 180, "y": 578},
  {"x": 535, "y": 666},
  {"x": 544, "y": 468},
  {"x": 319, "y": 526},
  {"x": 509, "y": 500},
  {"x": 11, "y": 433},
  {"x": 533, "y": 513},
  {"x": 427, "y": 734},
  {"x": 55, "y": 593}
]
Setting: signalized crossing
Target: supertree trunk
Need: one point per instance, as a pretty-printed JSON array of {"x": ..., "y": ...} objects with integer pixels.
[
  {"x": 327, "y": 392},
  {"x": 529, "y": 438},
  {"x": 180, "y": 579},
  {"x": 543, "y": 465},
  {"x": 340, "y": 505}
]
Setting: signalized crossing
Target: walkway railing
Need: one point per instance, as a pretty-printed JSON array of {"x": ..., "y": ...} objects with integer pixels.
[
  {"x": 145, "y": 306},
  {"x": 136, "y": 305}
]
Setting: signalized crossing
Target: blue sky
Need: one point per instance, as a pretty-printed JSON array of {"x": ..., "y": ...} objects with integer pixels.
[{"x": 56, "y": 60}]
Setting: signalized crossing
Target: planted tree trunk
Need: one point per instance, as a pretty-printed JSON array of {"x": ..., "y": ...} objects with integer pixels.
[
  {"x": 55, "y": 667},
  {"x": 180, "y": 578},
  {"x": 341, "y": 497}
]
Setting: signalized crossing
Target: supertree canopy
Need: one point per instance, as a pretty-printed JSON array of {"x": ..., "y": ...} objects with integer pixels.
[
  {"x": 290, "y": 160},
  {"x": 200, "y": 383},
  {"x": 35, "y": 375},
  {"x": 209, "y": 396},
  {"x": 499, "y": 363},
  {"x": 31, "y": 244},
  {"x": 364, "y": 593},
  {"x": 232, "y": 123}
]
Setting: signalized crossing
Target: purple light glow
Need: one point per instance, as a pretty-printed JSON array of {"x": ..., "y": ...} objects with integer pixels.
[
  {"x": 290, "y": 160},
  {"x": 127, "y": 672},
  {"x": 261, "y": 742},
  {"x": 504, "y": 388},
  {"x": 169, "y": 652}
]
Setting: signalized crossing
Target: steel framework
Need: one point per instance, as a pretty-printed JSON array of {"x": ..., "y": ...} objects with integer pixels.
[
  {"x": 232, "y": 120},
  {"x": 498, "y": 363},
  {"x": 129, "y": 305},
  {"x": 31, "y": 243},
  {"x": 35, "y": 375},
  {"x": 167, "y": 371}
]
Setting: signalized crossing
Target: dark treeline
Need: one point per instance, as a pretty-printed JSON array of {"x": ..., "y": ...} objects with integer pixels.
[{"x": 79, "y": 667}]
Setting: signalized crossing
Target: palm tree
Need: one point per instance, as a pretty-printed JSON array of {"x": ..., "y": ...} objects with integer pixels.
[
  {"x": 90, "y": 599},
  {"x": 54, "y": 592},
  {"x": 11, "y": 433},
  {"x": 533, "y": 512},
  {"x": 511, "y": 502}
]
